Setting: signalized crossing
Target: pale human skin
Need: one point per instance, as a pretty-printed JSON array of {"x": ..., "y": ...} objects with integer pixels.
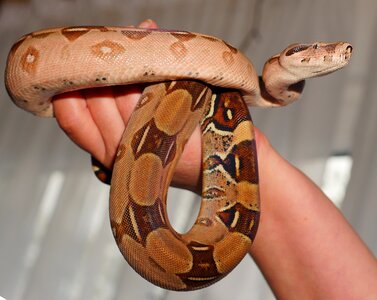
[{"x": 304, "y": 247}]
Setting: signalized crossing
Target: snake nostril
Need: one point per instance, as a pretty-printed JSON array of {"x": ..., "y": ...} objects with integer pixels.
[{"x": 349, "y": 49}]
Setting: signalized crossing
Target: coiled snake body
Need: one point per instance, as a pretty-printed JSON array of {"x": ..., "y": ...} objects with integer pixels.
[{"x": 192, "y": 78}]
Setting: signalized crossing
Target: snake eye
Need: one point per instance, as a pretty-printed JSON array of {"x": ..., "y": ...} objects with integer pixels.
[{"x": 296, "y": 49}]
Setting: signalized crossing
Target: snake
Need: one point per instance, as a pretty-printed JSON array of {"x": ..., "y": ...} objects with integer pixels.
[{"x": 189, "y": 79}]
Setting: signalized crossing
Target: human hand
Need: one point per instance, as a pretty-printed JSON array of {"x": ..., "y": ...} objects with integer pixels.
[{"x": 95, "y": 119}]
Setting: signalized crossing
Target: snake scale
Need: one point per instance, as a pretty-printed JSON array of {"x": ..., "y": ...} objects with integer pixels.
[{"x": 192, "y": 78}]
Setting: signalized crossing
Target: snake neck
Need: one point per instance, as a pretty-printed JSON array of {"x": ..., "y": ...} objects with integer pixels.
[{"x": 278, "y": 86}]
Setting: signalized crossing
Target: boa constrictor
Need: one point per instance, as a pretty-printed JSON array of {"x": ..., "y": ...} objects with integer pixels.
[{"x": 191, "y": 78}]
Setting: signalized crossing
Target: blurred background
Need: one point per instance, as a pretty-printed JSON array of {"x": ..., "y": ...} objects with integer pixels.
[{"x": 55, "y": 238}]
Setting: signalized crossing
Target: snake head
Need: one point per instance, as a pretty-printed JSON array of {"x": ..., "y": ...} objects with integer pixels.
[{"x": 316, "y": 59}]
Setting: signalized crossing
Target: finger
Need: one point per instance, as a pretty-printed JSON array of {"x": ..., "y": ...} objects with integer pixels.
[
  {"x": 187, "y": 174},
  {"x": 104, "y": 111},
  {"x": 148, "y": 24},
  {"x": 74, "y": 118},
  {"x": 126, "y": 98}
]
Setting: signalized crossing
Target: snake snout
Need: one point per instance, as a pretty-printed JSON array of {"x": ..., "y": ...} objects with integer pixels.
[{"x": 347, "y": 52}]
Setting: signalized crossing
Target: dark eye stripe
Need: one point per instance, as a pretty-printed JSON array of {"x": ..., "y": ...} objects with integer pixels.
[{"x": 296, "y": 49}]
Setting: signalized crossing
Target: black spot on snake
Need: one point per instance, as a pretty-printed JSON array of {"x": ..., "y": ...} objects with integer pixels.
[{"x": 297, "y": 87}]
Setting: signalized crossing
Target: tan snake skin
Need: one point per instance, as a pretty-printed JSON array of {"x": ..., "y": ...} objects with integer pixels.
[{"x": 194, "y": 79}]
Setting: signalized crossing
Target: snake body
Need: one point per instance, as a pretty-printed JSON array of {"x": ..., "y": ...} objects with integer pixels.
[{"x": 192, "y": 78}]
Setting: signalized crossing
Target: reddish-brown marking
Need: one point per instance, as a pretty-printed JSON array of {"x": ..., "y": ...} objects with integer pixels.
[
  {"x": 248, "y": 165},
  {"x": 272, "y": 60},
  {"x": 155, "y": 141},
  {"x": 29, "y": 60},
  {"x": 246, "y": 220},
  {"x": 210, "y": 38},
  {"x": 231, "y": 48},
  {"x": 228, "y": 58},
  {"x": 243, "y": 155},
  {"x": 227, "y": 101},
  {"x": 178, "y": 49},
  {"x": 73, "y": 33},
  {"x": 107, "y": 50},
  {"x": 148, "y": 219},
  {"x": 183, "y": 36},
  {"x": 330, "y": 48},
  {"x": 204, "y": 271},
  {"x": 41, "y": 35},
  {"x": 196, "y": 91},
  {"x": 199, "y": 102},
  {"x": 135, "y": 35}
]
